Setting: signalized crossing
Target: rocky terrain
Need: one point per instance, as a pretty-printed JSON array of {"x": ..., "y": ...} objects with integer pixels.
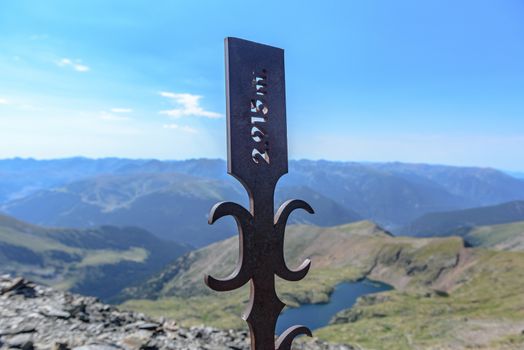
[{"x": 37, "y": 317}]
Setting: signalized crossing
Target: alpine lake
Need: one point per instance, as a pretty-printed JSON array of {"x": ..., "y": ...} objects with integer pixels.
[{"x": 315, "y": 316}]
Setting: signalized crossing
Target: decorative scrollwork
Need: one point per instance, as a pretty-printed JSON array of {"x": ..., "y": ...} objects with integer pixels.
[
  {"x": 242, "y": 274},
  {"x": 260, "y": 267}
]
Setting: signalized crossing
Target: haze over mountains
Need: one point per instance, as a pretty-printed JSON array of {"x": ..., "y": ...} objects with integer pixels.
[
  {"x": 517, "y": 174},
  {"x": 171, "y": 199}
]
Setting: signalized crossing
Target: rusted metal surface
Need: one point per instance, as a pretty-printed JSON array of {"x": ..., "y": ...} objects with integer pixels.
[{"x": 257, "y": 157}]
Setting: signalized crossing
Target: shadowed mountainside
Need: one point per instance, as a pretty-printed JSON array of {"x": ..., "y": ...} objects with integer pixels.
[{"x": 99, "y": 261}]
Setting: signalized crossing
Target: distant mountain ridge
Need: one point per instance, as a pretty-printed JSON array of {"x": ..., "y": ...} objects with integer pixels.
[
  {"x": 172, "y": 198},
  {"x": 516, "y": 174},
  {"x": 460, "y": 222},
  {"x": 22, "y": 176}
]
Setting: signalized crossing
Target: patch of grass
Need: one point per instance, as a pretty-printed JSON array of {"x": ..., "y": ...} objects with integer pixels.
[
  {"x": 106, "y": 256},
  {"x": 32, "y": 242},
  {"x": 222, "y": 312},
  {"x": 504, "y": 236}
]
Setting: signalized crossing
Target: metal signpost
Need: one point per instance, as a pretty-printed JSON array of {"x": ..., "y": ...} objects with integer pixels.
[{"x": 257, "y": 157}]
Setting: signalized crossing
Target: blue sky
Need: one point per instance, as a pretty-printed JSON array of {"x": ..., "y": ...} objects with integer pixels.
[{"x": 414, "y": 81}]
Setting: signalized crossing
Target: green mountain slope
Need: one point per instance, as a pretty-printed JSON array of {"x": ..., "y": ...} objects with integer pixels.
[
  {"x": 438, "y": 283},
  {"x": 100, "y": 261},
  {"x": 499, "y": 237},
  {"x": 461, "y": 221}
]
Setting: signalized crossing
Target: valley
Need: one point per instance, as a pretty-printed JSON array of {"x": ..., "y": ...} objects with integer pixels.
[
  {"x": 448, "y": 240},
  {"x": 445, "y": 293}
]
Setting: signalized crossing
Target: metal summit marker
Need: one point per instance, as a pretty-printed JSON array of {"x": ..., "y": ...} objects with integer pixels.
[{"x": 257, "y": 157}]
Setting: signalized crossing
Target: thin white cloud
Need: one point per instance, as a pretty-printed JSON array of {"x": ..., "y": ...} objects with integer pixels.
[
  {"x": 187, "y": 105},
  {"x": 19, "y": 104},
  {"x": 121, "y": 110},
  {"x": 76, "y": 65},
  {"x": 184, "y": 128},
  {"x": 112, "y": 117}
]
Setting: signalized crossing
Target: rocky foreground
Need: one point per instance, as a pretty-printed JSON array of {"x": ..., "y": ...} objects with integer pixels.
[{"x": 37, "y": 317}]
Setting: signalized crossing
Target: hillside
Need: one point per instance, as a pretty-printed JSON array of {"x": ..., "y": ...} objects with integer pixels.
[
  {"x": 462, "y": 221},
  {"x": 499, "y": 237},
  {"x": 99, "y": 261},
  {"x": 444, "y": 293}
]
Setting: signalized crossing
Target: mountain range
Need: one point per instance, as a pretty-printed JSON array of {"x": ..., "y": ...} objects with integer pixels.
[
  {"x": 171, "y": 199},
  {"x": 172, "y": 205}
]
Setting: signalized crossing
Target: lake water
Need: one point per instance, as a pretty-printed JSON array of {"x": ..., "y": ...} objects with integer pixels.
[{"x": 318, "y": 315}]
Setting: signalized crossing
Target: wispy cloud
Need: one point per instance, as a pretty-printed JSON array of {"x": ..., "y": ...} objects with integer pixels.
[
  {"x": 184, "y": 128},
  {"x": 187, "y": 105},
  {"x": 19, "y": 103},
  {"x": 121, "y": 110},
  {"x": 76, "y": 65},
  {"x": 110, "y": 117}
]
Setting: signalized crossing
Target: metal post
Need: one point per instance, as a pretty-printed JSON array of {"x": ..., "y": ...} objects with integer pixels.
[{"x": 257, "y": 157}]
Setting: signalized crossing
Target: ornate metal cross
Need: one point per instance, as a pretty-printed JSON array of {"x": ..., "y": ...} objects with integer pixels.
[{"x": 257, "y": 157}]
